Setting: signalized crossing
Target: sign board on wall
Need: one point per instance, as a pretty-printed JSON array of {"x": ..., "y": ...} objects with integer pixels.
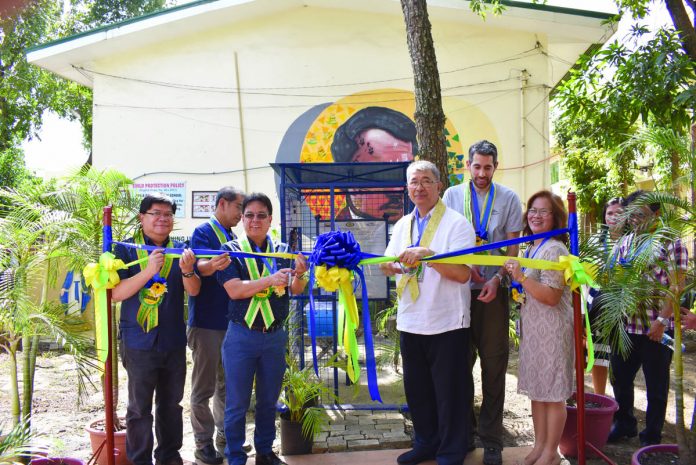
[
  {"x": 175, "y": 189},
  {"x": 203, "y": 203}
]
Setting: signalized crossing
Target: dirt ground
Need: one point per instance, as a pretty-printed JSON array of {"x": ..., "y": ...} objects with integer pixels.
[{"x": 61, "y": 422}]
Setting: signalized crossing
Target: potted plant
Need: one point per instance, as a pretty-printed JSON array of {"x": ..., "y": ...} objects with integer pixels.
[
  {"x": 84, "y": 195},
  {"x": 599, "y": 413},
  {"x": 624, "y": 288},
  {"x": 302, "y": 418},
  {"x": 75, "y": 205},
  {"x": 16, "y": 444}
]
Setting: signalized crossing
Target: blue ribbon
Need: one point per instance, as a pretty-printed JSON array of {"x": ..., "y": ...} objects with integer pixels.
[
  {"x": 370, "y": 361},
  {"x": 501, "y": 244},
  {"x": 482, "y": 223}
]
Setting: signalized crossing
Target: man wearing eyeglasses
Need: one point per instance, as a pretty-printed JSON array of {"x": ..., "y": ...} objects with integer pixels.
[
  {"x": 433, "y": 320},
  {"x": 256, "y": 340},
  {"x": 207, "y": 324},
  {"x": 496, "y": 214},
  {"x": 153, "y": 333}
]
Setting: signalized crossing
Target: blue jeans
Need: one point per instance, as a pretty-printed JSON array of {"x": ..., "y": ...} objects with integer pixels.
[{"x": 247, "y": 354}]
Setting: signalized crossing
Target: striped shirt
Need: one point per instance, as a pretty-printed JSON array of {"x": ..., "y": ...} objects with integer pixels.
[{"x": 676, "y": 257}]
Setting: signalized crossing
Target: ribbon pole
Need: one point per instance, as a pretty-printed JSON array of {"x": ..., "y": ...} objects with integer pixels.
[
  {"x": 577, "y": 330},
  {"x": 108, "y": 380}
]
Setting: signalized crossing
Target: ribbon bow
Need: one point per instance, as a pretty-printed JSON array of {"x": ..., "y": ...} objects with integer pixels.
[
  {"x": 577, "y": 272},
  {"x": 333, "y": 263},
  {"x": 101, "y": 276}
]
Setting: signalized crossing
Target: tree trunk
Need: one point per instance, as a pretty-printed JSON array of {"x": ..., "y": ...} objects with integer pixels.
[
  {"x": 13, "y": 346},
  {"x": 683, "y": 25},
  {"x": 26, "y": 379},
  {"x": 678, "y": 375},
  {"x": 429, "y": 116}
]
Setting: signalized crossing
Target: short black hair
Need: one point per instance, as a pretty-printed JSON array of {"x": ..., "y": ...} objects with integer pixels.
[
  {"x": 258, "y": 197},
  {"x": 157, "y": 197},
  {"x": 228, "y": 193},
  {"x": 484, "y": 147},
  {"x": 637, "y": 195},
  {"x": 397, "y": 124}
]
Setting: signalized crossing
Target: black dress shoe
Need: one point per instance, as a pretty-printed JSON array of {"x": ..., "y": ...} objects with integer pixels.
[
  {"x": 268, "y": 459},
  {"x": 209, "y": 455},
  {"x": 415, "y": 456},
  {"x": 170, "y": 461},
  {"x": 617, "y": 433}
]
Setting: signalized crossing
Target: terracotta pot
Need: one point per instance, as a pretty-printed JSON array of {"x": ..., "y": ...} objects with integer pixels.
[
  {"x": 57, "y": 461},
  {"x": 97, "y": 437},
  {"x": 635, "y": 459},
  {"x": 597, "y": 425},
  {"x": 292, "y": 441}
]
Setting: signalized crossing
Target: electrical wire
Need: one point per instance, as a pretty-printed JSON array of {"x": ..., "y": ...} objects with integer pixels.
[{"x": 259, "y": 90}]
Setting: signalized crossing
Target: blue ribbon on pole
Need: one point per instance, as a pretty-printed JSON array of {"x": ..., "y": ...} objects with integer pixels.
[{"x": 370, "y": 361}]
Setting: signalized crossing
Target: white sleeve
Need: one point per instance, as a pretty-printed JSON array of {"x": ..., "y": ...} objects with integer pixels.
[{"x": 461, "y": 236}]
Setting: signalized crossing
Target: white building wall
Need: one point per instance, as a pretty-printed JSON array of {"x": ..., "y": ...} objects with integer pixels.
[{"x": 167, "y": 133}]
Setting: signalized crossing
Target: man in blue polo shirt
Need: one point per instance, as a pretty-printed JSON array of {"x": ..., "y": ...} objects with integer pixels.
[
  {"x": 153, "y": 334},
  {"x": 256, "y": 340},
  {"x": 207, "y": 325}
]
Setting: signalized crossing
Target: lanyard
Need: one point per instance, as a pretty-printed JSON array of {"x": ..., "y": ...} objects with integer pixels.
[
  {"x": 526, "y": 254},
  {"x": 269, "y": 263},
  {"x": 481, "y": 220},
  {"x": 218, "y": 227},
  {"x": 421, "y": 224}
]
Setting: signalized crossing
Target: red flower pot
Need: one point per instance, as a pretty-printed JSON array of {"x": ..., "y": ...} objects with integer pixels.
[
  {"x": 598, "y": 422},
  {"x": 635, "y": 459},
  {"x": 97, "y": 436}
]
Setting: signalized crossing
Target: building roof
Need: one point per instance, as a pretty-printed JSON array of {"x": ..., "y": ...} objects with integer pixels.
[{"x": 560, "y": 24}]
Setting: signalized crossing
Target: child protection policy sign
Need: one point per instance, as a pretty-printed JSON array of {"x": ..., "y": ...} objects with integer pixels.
[{"x": 174, "y": 189}]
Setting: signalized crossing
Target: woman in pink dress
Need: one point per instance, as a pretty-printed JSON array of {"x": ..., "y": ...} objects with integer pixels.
[{"x": 546, "y": 345}]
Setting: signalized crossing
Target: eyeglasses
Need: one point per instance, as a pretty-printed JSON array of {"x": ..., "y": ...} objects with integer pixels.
[
  {"x": 258, "y": 216},
  {"x": 159, "y": 214},
  {"x": 542, "y": 212},
  {"x": 424, "y": 183}
]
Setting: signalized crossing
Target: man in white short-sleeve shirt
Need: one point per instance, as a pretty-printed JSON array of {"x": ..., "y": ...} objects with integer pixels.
[{"x": 433, "y": 318}]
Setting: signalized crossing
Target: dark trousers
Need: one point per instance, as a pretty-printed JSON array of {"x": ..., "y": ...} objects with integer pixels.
[
  {"x": 655, "y": 359},
  {"x": 438, "y": 386},
  {"x": 490, "y": 341},
  {"x": 163, "y": 375}
]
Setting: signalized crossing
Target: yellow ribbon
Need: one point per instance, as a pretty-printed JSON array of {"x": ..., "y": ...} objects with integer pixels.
[
  {"x": 575, "y": 271},
  {"x": 340, "y": 279},
  {"x": 101, "y": 276}
]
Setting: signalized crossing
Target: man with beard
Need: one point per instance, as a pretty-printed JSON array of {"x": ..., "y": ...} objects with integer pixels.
[
  {"x": 375, "y": 134},
  {"x": 496, "y": 214}
]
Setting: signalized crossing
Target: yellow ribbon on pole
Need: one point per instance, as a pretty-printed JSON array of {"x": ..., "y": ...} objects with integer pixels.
[{"x": 102, "y": 276}]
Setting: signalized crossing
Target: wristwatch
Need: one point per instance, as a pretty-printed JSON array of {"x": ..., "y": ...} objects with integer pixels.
[
  {"x": 189, "y": 274},
  {"x": 663, "y": 321}
]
